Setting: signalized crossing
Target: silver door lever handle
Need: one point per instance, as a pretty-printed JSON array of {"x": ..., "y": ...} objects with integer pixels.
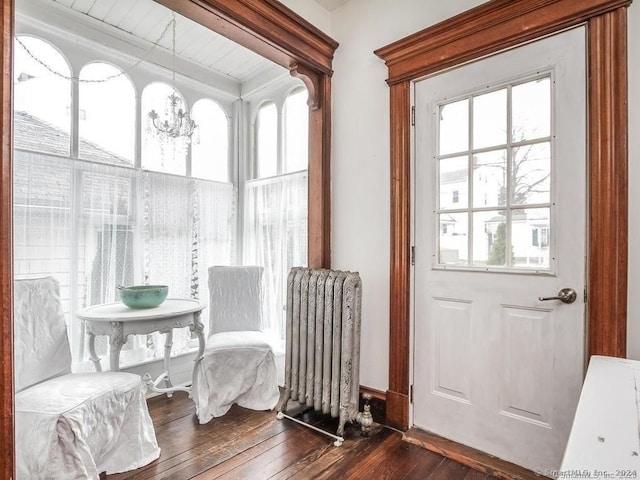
[{"x": 566, "y": 295}]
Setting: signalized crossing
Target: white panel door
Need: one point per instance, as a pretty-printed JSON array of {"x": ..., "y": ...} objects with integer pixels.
[{"x": 499, "y": 222}]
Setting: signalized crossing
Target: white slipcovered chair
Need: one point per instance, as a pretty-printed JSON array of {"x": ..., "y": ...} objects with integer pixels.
[
  {"x": 238, "y": 365},
  {"x": 70, "y": 426}
]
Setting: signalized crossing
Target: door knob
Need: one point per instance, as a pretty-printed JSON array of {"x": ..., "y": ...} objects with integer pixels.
[{"x": 566, "y": 295}]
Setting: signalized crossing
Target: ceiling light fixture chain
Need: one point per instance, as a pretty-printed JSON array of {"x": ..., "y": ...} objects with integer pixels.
[
  {"x": 110, "y": 77},
  {"x": 177, "y": 123}
]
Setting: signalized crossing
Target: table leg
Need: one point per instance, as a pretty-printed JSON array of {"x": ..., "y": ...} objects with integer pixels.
[
  {"x": 198, "y": 328},
  {"x": 92, "y": 351},
  {"x": 168, "y": 343},
  {"x": 116, "y": 341}
]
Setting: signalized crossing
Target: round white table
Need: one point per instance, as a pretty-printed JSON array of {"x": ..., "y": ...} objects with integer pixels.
[{"x": 118, "y": 321}]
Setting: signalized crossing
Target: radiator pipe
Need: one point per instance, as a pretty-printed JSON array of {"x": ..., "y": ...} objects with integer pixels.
[
  {"x": 364, "y": 418},
  {"x": 338, "y": 440}
]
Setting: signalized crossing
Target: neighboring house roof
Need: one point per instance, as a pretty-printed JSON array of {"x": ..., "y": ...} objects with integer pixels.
[
  {"x": 454, "y": 176},
  {"x": 34, "y": 134},
  {"x": 44, "y": 178}
]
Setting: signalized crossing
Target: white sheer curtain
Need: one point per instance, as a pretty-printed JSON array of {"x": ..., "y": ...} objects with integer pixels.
[
  {"x": 42, "y": 220},
  {"x": 94, "y": 226},
  {"x": 104, "y": 253},
  {"x": 74, "y": 220},
  {"x": 275, "y": 236},
  {"x": 217, "y": 233},
  {"x": 168, "y": 227}
]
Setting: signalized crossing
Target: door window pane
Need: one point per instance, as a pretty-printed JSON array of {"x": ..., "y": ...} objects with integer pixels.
[
  {"x": 454, "y": 238},
  {"x": 531, "y": 169},
  {"x": 490, "y": 178},
  {"x": 490, "y": 238},
  {"x": 530, "y": 237},
  {"x": 531, "y": 110},
  {"x": 107, "y": 114},
  {"x": 454, "y": 127},
  {"x": 490, "y": 119},
  {"x": 454, "y": 182}
]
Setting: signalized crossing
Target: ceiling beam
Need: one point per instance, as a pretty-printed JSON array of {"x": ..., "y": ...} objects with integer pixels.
[{"x": 265, "y": 26}]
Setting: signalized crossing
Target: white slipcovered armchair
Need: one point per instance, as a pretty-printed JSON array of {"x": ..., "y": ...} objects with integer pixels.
[
  {"x": 238, "y": 365},
  {"x": 70, "y": 426}
]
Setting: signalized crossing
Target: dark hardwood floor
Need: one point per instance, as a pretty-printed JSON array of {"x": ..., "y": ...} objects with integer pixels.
[{"x": 246, "y": 444}]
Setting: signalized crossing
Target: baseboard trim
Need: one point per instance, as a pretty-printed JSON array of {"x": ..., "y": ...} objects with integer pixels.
[
  {"x": 378, "y": 404},
  {"x": 469, "y": 456},
  {"x": 398, "y": 410},
  {"x": 377, "y": 394}
]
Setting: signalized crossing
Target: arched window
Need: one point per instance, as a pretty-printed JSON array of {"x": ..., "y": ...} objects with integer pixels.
[
  {"x": 107, "y": 113},
  {"x": 210, "y": 150},
  {"x": 296, "y": 131},
  {"x": 266, "y": 140},
  {"x": 42, "y": 97},
  {"x": 161, "y": 155}
]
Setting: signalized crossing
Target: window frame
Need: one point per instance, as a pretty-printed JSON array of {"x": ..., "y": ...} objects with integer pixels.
[
  {"x": 136, "y": 100},
  {"x": 255, "y": 157},
  {"x": 229, "y": 136},
  {"x": 292, "y": 91},
  {"x": 70, "y": 72}
]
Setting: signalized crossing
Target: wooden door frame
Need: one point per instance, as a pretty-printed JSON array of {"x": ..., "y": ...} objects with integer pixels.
[
  {"x": 264, "y": 26},
  {"x": 487, "y": 29}
]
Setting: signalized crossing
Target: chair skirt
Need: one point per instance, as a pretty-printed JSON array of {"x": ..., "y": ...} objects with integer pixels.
[
  {"x": 78, "y": 425},
  {"x": 237, "y": 367}
]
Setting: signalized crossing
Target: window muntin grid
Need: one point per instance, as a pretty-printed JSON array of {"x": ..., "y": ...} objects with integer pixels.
[{"x": 494, "y": 158}]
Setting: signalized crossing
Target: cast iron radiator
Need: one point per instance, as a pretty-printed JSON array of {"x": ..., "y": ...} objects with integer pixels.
[{"x": 322, "y": 360}]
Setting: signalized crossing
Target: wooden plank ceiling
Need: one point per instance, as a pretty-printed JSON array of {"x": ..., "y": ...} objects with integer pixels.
[{"x": 146, "y": 20}]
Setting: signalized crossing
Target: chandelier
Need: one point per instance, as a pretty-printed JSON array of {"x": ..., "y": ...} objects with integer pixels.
[{"x": 176, "y": 123}]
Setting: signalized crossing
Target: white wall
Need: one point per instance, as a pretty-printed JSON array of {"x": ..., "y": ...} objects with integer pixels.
[
  {"x": 360, "y": 167},
  {"x": 633, "y": 330},
  {"x": 312, "y": 12}
]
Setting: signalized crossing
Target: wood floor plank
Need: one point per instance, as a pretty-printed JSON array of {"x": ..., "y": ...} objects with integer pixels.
[
  {"x": 165, "y": 409},
  {"x": 241, "y": 458},
  {"x": 183, "y": 438},
  {"x": 222, "y": 440},
  {"x": 245, "y": 444},
  {"x": 476, "y": 475},
  {"x": 393, "y": 464},
  {"x": 469, "y": 456},
  {"x": 423, "y": 467},
  {"x": 308, "y": 461},
  {"x": 332, "y": 463},
  {"x": 449, "y": 470},
  {"x": 217, "y": 453},
  {"x": 297, "y": 443}
]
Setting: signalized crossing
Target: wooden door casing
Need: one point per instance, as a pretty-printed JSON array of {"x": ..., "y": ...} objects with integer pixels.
[{"x": 489, "y": 28}]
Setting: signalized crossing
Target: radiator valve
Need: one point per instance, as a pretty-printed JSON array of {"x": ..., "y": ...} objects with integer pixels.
[{"x": 364, "y": 418}]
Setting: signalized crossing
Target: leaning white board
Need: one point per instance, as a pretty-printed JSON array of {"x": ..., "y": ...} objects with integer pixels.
[{"x": 605, "y": 436}]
